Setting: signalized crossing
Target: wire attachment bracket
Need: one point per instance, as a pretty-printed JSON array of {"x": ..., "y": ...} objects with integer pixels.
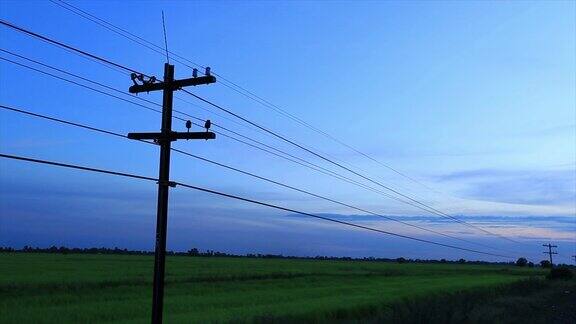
[{"x": 171, "y": 184}]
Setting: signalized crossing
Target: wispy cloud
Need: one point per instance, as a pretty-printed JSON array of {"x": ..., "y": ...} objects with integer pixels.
[
  {"x": 548, "y": 188},
  {"x": 520, "y": 227},
  {"x": 96, "y": 214},
  {"x": 541, "y": 221}
]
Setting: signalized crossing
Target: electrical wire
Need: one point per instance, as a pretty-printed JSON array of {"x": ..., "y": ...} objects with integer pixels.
[
  {"x": 289, "y": 141},
  {"x": 47, "y": 39},
  {"x": 231, "y": 85},
  {"x": 80, "y": 85},
  {"x": 237, "y": 170},
  {"x": 252, "y": 201},
  {"x": 124, "y": 33},
  {"x": 286, "y": 155},
  {"x": 425, "y": 206}
]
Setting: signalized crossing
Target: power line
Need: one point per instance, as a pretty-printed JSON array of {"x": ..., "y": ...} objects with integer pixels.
[
  {"x": 335, "y": 220},
  {"x": 79, "y": 84},
  {"x": 330, "y": 199},
  {"x": 102, "y": 92},
  {"x": 156, "y": 110},
  {"x": 93, "y": 82},
  {"x": 52, "y": 41},
  {"x": 320, "y": 169},
  {"x": 80, "y": 53},
  {"x": 292, "y": 157},
  {"x": 298, "y": 160},
  {"x": 62, "y": 121},
  {"x": 73, "y": 75},
  {"x": 285, "y": 113},
  {"x": 139, "y": 40},
  {"x": 309, "y": 165},
  {"x": 77, "y": 167},
  {"x": 214, "y": 113},
  {"x": 119, "y": 91},
  {"x": 427, "y": 207},
  {"x": 144, "y": 42},
  {"x": 135, "y": 38},
  {"x": 252, "y": 201},
  {"x": 268, "y": 104},
  {"x": 219, "y": 164},
  {"x": 239, "y": 89},
  {"x": 233, "y": 86},
  {"x": 123, "y": 32},
  {"x": 285, "y": 139}
]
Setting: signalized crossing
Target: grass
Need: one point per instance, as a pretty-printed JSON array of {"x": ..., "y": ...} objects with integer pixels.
[
  {"x": 525, "y": 301},
  {"x": 50, "y": 288}
]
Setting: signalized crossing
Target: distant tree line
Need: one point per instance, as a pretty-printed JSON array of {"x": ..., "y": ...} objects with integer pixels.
[
  {"x": 66, "y": 250},
  {"x": 521, "y": 262}
]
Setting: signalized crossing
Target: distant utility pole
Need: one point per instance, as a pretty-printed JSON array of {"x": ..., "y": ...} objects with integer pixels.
[
  {"x": 574, "y": 257},
  {"x": 165, "y": 138},
  {"x": 550, "y": 252}
]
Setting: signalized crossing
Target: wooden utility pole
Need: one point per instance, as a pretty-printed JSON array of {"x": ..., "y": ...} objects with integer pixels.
[
  {"x": 164, "y": 139},
  {"x": 550, "y": 252}
]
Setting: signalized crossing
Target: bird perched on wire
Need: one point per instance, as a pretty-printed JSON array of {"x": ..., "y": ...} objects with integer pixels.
[{"x": 207, "y": 124}]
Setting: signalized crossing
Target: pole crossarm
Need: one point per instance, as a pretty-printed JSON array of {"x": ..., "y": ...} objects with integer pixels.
[
  {"x": 164, "y": 139},
  {"x": 173, "y": 86},
  {"x": 172, "y": 136},
  {"x": 550, "y": 252}
]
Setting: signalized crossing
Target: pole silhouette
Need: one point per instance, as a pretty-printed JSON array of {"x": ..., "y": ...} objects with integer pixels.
[
  {"x": 550, "y": 252},
  {"x": 164, "y": 139}
]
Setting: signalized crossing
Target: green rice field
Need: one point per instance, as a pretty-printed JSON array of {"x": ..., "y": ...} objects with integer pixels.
[{"x": 85, "y": 288}]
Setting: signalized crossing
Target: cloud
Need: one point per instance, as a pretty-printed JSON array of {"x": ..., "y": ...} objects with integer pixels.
[
  {"x": 547, "y": 188},
  {"x": 560, "y": 222},
  {"x": 402, "y": 152},
  {"x": 79, "y": 213}
]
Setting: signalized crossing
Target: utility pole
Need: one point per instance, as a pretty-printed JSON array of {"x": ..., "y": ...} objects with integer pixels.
[
  {"x": 164, "y": 139},
  {"x": 550, "y": 252}
]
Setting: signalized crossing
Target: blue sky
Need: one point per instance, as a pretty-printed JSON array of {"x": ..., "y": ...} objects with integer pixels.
[{"x": 474, "y": 99}]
